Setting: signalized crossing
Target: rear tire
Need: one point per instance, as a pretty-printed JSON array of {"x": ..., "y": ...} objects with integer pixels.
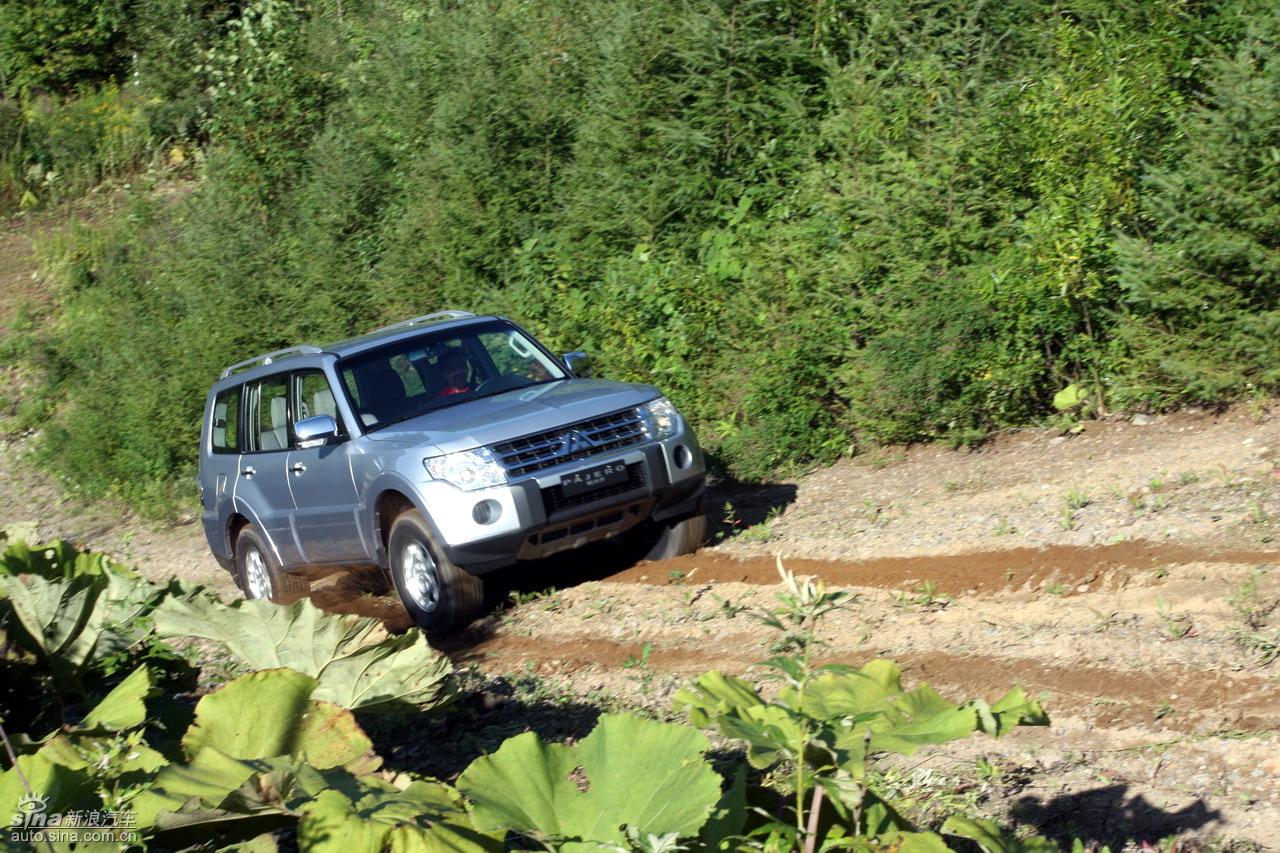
[
  {"x": 675, "y": 538},
  {"x": 438, "y": 595},
  {"x": 258, "y": 574}
]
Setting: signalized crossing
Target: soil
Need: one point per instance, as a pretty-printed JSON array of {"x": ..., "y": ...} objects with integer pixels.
[{"x": 1128, "y": 576}]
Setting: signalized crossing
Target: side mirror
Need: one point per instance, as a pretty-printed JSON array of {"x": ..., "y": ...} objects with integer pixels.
[
  {"x": 579, "y": 364},
  {"x": 316, "y": 431}
]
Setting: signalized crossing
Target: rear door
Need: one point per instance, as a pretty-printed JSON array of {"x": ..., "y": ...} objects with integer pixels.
[
  {"x": 263, "y": 481},
  {"x": 321, "y": 482},
  {"x": 220, "y": 465}
]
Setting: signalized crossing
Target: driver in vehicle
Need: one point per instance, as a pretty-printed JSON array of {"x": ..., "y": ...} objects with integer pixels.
[{"x": 452, "y": 367}]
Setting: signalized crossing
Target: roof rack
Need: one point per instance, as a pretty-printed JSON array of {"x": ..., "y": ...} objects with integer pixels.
[
  {"x": 268, "y": 358},
  {"x": 427, "y": 318}
]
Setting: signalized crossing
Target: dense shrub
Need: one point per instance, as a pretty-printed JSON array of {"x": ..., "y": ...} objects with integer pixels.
[{"x": 817, "y": 226}]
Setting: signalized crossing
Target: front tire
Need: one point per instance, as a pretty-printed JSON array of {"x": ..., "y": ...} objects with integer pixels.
[
  {"x": 438, "y": 595},
  {"x": 666, "y": 540},
  {"x": 260, "y": 577}
]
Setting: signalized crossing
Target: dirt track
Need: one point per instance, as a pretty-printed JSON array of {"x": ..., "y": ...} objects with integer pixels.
[
  {"x": 1118, "y": 578},
  {"x": 1139, "y": 612}
]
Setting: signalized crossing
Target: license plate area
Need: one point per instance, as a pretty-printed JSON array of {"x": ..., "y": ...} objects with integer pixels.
[{"x": 593, "y": 478}]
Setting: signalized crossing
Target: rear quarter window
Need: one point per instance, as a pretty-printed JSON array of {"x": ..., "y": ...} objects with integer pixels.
[{"x": 226, "y": 421}]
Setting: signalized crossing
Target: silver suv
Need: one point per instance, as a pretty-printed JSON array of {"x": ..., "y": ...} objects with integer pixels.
[{"x": 439, "y": 449}]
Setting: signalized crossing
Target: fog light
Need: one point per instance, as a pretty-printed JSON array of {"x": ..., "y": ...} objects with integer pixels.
[
  {"x": 683, "y": 457},
  {"x": 486, "y": 512}
]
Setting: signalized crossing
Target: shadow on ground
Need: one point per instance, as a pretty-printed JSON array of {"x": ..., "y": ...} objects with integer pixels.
[
  {"x": 1110, "y": 815},
  {"x": 732, "y": 507},
  {"x": 441, "y": 745}
]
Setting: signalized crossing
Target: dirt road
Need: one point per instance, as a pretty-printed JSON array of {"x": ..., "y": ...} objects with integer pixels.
[{"x": 1129, "y": 577}]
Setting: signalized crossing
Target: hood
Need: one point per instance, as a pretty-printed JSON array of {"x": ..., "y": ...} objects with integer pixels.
[{"x": 512, "y": 414}]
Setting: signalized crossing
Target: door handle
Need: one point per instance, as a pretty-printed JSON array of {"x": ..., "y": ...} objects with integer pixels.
[
  {"x": 248, "y": 471},
  {"x": 297, "y": 467}
]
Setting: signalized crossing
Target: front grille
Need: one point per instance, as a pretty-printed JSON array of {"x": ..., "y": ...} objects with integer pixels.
[
  {"x": 541, "y": 450},
  {"x": 554, "y": 500}
]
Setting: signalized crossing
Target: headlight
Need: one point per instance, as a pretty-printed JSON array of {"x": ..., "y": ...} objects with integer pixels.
[
  {"x": 660, "y": 418},
  {"x": 467, "y": 469}
]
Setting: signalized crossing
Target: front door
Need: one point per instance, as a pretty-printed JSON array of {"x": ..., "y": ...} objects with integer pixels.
[{"x": 324, "y": 492}]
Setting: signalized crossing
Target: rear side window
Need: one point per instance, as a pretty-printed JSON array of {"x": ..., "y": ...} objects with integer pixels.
[
  {"x": 226, "y": 421},
  {"x": 272, "y": 423}
]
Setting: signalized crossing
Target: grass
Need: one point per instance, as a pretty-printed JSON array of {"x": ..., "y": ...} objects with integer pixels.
[
  {"x": 1176, "y": 625},
  {"x": 546, "y": 596},
  {"x": 1104, "y": 621},
  {"x": 1069, "y": 512},
  {"x": 1263, "y": 647},
  {"x": 643, "y": 674},
  {"x": 1247, "y": 603},
  {"x": 926, "y": 596}
]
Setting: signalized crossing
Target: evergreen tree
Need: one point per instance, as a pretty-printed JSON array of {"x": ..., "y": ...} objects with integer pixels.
[{"x": 1202, "y": 279}]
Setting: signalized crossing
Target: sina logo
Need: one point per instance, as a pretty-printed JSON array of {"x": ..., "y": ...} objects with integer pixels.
[
  {"x": 30, "y": 812},
  {"x": 574, "y": 442}
]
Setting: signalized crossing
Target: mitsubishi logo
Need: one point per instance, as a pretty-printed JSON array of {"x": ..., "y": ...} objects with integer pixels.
[{"x": 574, "y": 442}]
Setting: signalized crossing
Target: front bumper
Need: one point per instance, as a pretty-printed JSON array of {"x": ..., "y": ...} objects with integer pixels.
[{"x": 537, "y": 519}]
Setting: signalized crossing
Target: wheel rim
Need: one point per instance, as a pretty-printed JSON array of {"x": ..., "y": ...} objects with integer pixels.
[
  {"x": 418, "y": 570},
  {"x": 255, "y": 574}
]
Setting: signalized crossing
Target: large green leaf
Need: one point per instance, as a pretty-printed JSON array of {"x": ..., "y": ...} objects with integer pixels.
[
  {"x": 426, "y": 816},
  {"x": 248, "y": 741},
  {"x": 1070, "y": 397},
  {"x": 353, "y": 660},
  {"x": 847, "y": 714},
  {"x": 271, "y": 713},
  {"x": 647, "y": 775},
  {"x": 192, "y": 793},
  {"x": 55, "y": 560},
  {"x": 1012, "y": 709},
  {"x": 772, "y": 732},
  {"x": 58, "y": 787},
  {"x": 73, "y": 624},
  {"x": 122, "y": 708}
]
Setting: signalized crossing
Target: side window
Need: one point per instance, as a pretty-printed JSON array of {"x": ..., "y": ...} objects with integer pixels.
[
  {"x": 272, "y": 422},
  {"x": 313, "y": 396},
  {"x": 226, "y": 421}
]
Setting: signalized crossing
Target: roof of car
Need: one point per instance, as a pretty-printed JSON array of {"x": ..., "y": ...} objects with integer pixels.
[
  {"x": 259, "y": 365},
  {"x": 406, "y": 329}
]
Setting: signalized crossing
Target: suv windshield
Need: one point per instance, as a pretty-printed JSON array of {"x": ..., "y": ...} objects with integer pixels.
[{"x": 418, "y": 375}]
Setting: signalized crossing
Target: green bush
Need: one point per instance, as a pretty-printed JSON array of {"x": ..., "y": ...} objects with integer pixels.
[
  {"x": 1200, "y": 275},
  {"x": 57, "y": 45},
  {"x": 817, "y": 228}
]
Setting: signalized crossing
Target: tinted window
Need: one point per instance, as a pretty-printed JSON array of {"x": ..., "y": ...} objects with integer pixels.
[{"x": 226, "y": 421}]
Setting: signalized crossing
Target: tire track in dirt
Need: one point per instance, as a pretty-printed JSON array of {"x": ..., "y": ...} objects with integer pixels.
[
  {"x": 979, "y": 572},
  {"x": 1195, "y": 700}
]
